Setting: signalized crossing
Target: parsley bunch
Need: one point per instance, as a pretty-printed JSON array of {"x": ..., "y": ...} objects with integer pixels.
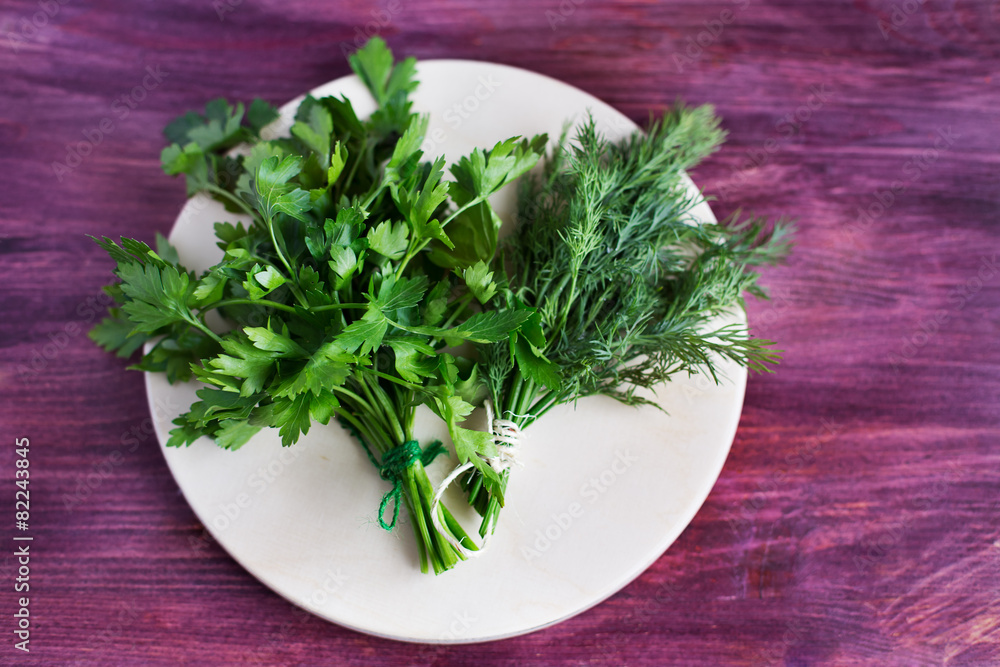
[
  {"x": 625, "y": 285},
  {"x": 358, "y": 266}
]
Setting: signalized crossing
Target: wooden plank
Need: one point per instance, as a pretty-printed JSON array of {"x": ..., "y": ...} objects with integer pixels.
[{"x": 856, "y": 521}]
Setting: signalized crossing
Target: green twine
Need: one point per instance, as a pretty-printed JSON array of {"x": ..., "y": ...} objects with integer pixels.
[{"x": 393, "y": 469}]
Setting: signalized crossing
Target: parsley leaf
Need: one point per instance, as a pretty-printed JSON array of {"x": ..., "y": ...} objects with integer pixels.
[
  {"x": 389, "y": 239},
  {"x": 479, "y": 280}
]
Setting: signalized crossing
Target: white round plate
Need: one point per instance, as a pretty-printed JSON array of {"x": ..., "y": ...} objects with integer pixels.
[{"x": 604, "y": 490}]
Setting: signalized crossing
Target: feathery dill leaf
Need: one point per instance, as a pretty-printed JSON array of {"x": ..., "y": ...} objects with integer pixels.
[{"x": 627, "y": 283}]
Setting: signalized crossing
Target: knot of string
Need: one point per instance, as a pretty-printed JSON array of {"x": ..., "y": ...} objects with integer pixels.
[
  {"x": 393, "y": 469},
  {"x": 507, "y": 438}
]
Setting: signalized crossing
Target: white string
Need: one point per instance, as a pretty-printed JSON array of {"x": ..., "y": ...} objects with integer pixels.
[
  {"x": 453, "y": 541},
  {"x": 507, "y": 436}
]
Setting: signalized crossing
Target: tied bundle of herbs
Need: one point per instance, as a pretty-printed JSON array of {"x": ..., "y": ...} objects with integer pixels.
[
  {"x": 627, "y": 287},
  {"x": 334, "y": 309},
  {"x": 360, "y": 270}
]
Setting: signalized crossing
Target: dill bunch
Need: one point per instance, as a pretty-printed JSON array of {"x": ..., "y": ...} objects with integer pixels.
[{"x": 625, "y": 283}]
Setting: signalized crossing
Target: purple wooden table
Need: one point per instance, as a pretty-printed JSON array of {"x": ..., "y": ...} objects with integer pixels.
[{"x": 856, "y": 519}]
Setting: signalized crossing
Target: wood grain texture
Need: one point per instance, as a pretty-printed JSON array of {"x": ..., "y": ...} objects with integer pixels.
[{"x": 856, "y": 521}]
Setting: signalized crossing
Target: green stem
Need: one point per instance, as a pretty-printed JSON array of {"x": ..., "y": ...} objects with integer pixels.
[
  {"x": 362, "y": 411},
  {"x": 338, "y": 306},
  {"x": 375, "y": 193},
  {"x": 363, "y": 428},
  {"x": 388, "y": 410},
  {"x": 416, "y": 330},
  {"x": 596, "y": 312},
  {"x": 410, "y": 254},
  {"x": 462, "y": 304},
  {"x": 525, "y": 402},
  {"x": 354, "y": 168},
  {"x": 463, "y": 209},
  {"x": 421, "y": 520},
  {"x": 372, "y": 406},
  {"x": 293, "y": 279},
  {"x": 569, "y": 302},
  {"x": 400, "y": 382},
  {"x": 194, "y": 321},
  {"x": 228, "y": 196},
  {"x": 385, "y": 414},
  {"x": 548, "y": 401},
  {"x": 299, "y": 296},
  {"x": 249, "y": 302},
  {"x": 277, "y": 247},
  {"x": 425, "y": 553}
]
